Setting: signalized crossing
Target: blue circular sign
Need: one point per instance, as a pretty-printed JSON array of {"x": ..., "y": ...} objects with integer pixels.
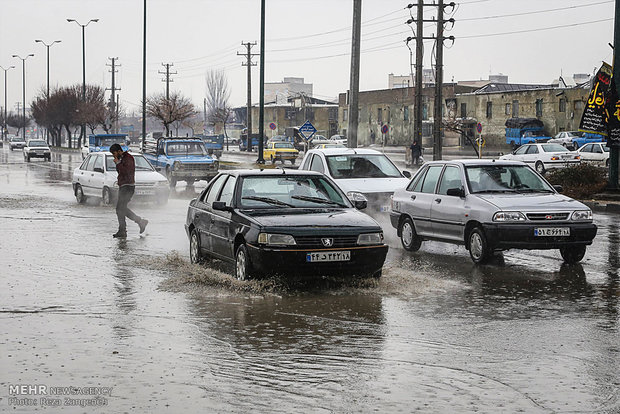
[
  {"x": 479, "y": 127},
  {"x": 384, "y": 129},
  {"x": 272, "y": 126}
]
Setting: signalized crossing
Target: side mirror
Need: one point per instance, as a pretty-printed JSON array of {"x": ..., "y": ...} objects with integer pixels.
[
  {"x": 558, "y": 188},
  {"x": 220, "y": 206},
  {"x": 158, "y": 169},
  {"x": 360, "y": 204},
  {"x": 407, "y": 174},
  {"x": 456, "y": 192},
  {"x": 98, "y": 169}
]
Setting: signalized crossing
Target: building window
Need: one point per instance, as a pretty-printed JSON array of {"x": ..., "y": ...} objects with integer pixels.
[
  {"x": 562, "y": 105},
  {"x": 463, "y": 110},
  {"x": 406, "y": 113},
  {"x": 332, "y": 114},
  {"x": 489, "y": 109},
  {"x": 508, "y": 109},
  {"x": 539, "y": 108},
  {"x": 425, "y": 112},
  {"x": 380, "y": 115},
  {"x": 515, "y": 109},
  {"x": 345, "y": 114},
  {"x": 579, "y": 105}
]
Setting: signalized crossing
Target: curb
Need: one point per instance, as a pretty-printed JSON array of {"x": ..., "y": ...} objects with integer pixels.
[{"x": 598, "y": 205}]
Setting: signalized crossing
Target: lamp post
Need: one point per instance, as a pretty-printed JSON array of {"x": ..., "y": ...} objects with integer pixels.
[
  {"x": 5, "y": 93},
  {"x": 23, "y": 92},
  {"x": 83, "y": 26},
  {"x": 48, "y": 73}
]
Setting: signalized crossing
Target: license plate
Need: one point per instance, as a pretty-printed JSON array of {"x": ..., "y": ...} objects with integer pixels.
[
  {"x": 567, "y": 157},
  {"x": 343, "y": 256},
  {"x": 144, "y": 192},
  {"x": 552, "y": 231},
  {"x": 40, "y": 152},
  {"x": 385, "y": 208}
]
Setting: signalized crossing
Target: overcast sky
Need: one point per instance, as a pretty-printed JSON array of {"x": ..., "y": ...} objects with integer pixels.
[{"x": 304, "y": 38}]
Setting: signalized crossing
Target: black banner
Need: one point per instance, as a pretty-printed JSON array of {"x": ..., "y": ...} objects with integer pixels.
[
  {"x": 595, "y": 115},
  {"x": 613, "y": 111}
]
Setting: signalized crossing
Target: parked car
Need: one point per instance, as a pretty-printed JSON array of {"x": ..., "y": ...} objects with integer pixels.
[
  {"x": 96, "y": 177},
  {"x": 278, "y": 221},
  {"x": 544, "y": 156},
  {"x": 17, "y": 142},
  {"x": 280, "y": 151},
  {"x": 566, "y": 138},
  {"x": 490, "y": 206},
  {"x": 339, "y": 139},
  {"x": 37, "y": 148},
  {"x": 360, "y": 173},
  {"x": 323, "y": 146},
  {"x": 596, "y": 153}
]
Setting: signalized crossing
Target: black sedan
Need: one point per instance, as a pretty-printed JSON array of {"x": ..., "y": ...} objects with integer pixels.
[{"x": 282, "y": 222}]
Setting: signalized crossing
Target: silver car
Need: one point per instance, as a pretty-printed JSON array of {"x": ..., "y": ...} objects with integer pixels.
[{"x": 490, "y": 206}]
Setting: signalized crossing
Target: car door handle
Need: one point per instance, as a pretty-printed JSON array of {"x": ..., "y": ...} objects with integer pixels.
[
  {"x": 438, "y": 200},
  {"x": 212, "y": 220},
  {"x": 413, "y": 197}
]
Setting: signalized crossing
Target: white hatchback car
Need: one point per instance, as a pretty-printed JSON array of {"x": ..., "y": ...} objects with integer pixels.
[
  {"x": 596, "y": 153},
  {"x": 37, "y": 148},
  {"x": 97, "y": 175},
  {"x": 359, "y": 173},
  {"x": 544, "y": 156}
]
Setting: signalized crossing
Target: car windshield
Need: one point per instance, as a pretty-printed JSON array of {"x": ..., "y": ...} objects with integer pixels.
[
  {"x": 17, "y": 139},
  {"x": 505, "y": 179},
  {"x": 37, "y": 144},
  {"x": 107, "y": 142},
  {"x": 605, "y": 148},
  {"x": 574, "y": 134},
  {"x": 142, "y": 164},
  {"x": 361, "y": 166},
  {"x": 293, "y": 191},
  {"x": 186, "y": 148},
  {"x": 553, "y": 148},
  {"x": 283, "y": 145}
]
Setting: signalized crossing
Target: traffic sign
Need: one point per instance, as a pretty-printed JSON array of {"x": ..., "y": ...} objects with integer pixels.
[
  {"x": 272, "y": 126},
  {"x": 307, "y": 130},
  {"x": 481, "y": 142},
  {"x": 384, "y": 129},
  {"x": 479, "y": 127}
]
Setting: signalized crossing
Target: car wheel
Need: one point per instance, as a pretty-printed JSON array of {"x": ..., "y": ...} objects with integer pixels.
[
  {"x": 540, "y": 167},
  {"x": 573, "y": 254},
  {"x": 408, "y": 236},
  {"x": 478, "y": 246},
  {"x": 293, "y": 161},
  {"x": 377, "y": 274},
  {"x": 106, "y": 196},
  {"x": 272, "y": 160},
  {"x": 195, "y": 254},
  {"x": 607, "y": 162},
  {"x": 243, "y": 267},
  {"x": 171, "y": 179},
  {"x": 27, "y": 159},
  {"x": 79, "y": 194}
]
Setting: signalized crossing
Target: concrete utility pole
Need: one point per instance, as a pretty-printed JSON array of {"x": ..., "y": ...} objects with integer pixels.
[
  {"x": 4, "y": 123},
  {"x": 438, "y": 113},
  {"x": 113, "y": 103},
  {"x": 144, "y": 82},
  {"x": 614, "y": 151},
  {"x": 419, "y": 54},
  {"x": 167, "y": 80},
  {"x": 249, "y": 64},
  {"x": 261, "y": 111},
  {"x": 354, "y": 85}
]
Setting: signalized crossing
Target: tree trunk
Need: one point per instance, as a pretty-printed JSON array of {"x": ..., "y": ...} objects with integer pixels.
[{"x": 69, "y": 135}]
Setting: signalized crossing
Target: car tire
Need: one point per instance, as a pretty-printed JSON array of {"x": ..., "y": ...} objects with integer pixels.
[
  {"x": 106, "y": 196},
  {"x": 573, "y": 254},
  {"x": 408, "y": 236},
  {"x": 607, "y": 162},
  {"x": 195, "y": 254},
  {"x": 540, "y": 167},
  {"x": 243, "y": 267},
  {"x": 293, "y": 161},
  {"x": 377, "y": 274},
  {"x": 272, "y": 160},
  {"x": 171, "y": 179},
  {"x": 79, "y": 194},
  {"x": 478, "y": 246}
]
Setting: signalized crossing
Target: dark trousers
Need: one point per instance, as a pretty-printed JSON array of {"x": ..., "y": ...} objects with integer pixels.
[{"x": 124, "y": 197}]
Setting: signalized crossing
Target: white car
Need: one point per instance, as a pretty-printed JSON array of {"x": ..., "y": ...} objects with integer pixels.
[
  {"x": 565, "y": 138},
  {"x": 543, "y": 157},
  {"x": 97, "y": 175},
  {"x": 595, "y": 153},
  {"x": 360, "y": 173},
  {"x": 339, "y": 139},
  {"x": 37, "y": 148}
]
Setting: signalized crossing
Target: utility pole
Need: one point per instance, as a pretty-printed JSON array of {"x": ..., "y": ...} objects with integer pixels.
[
  {"x": 144, "y": 82},
  {"x": 113, "y": 103},
  {"x": 4, "y": 131},
  {"x": 614, "y": 151},
  {"x": 354, "y": 84},
  {"x": 249, "y": 64},
  {"x": 167, "y": 80},
  {"x": 261, "y": 110},
  {"x": 438, "y": 112}
]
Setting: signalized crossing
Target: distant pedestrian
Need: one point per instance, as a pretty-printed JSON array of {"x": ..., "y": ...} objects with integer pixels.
[
  {"x": 126, "y": 168},
  {"x": 416, "y": 152}
]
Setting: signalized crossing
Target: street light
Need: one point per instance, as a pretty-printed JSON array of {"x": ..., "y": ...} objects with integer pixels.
[
  {"x": 48, "y": 61},
  {"x": 23, "y": 91},
  {"x": 5, "y": 93},
  {"x": 83, "y": 26}
]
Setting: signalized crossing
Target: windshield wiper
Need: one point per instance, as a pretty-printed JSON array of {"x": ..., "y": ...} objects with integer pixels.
[
  {"x": 268, "y": 201},
  {"x": 534, "y": 190},
  {"x": 318, "y": 200},
  {"x": 507, "y": 190}
]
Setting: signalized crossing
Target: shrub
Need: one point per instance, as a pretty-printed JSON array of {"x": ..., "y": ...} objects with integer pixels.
[{"x": 581, "y": 181}]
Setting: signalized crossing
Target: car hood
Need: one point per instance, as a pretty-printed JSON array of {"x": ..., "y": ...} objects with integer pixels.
[
  {"x": 372, "y": 185},
  {"x": 304, "y": 220},
  {"x": 532, "y": 202},
  {"x": 192, "y": 158}
]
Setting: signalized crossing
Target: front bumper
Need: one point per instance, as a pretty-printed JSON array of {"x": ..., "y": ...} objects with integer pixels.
[
  {"x": 521, "y": 236},
  {"x": 365, "y": 261},
  {"x": 195, "y": 174},
  {"x": 146, "y": 193},
  {"x": 39, "y": 155}
]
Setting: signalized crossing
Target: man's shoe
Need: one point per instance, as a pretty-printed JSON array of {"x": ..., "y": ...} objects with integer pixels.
[
  {"x": 120, "y": 234},
  {"x": 142, "y": 225}
]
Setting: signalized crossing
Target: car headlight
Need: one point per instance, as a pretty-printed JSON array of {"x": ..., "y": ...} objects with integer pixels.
[
  {"x": 276, "y": 239},
  {"x": 582, "y": 215},
  {"x": 508, "y": 216},
  {"x": 356, "y": 196},
  {"x": 177, "y": 165},
  {"x": 370, "y": 238}
]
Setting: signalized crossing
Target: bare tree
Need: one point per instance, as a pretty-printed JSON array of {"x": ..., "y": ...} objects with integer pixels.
[
  {"x": 167, "y": 111},
  {"x": 17, "y": 121},
  {"x": 218, "y": 94}
]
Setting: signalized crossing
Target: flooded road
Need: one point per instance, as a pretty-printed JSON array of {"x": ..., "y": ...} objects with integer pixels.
[{"x": 436, "y": 334}]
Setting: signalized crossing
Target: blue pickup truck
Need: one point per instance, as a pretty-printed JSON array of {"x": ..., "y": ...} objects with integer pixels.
[
  {"x": 214, "y": 143},
  {"x": 182, "y": 159},
  {"x": 587, "y": 138},
  {"x": 102, "y": 142},
  {"x": 521, "y": 131}
]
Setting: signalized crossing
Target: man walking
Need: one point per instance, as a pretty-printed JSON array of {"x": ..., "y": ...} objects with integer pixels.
[
  {"x": 416, "y": 152},
  {"x": 126, "y": 168}
]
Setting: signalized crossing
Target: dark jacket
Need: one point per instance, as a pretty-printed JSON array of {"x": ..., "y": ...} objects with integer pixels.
[
  {"x": 126, "y": 170},
  {"x": 416, "y": 150}
]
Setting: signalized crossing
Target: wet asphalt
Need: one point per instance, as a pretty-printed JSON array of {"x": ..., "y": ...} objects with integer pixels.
[{"x": 436, "y": 334}]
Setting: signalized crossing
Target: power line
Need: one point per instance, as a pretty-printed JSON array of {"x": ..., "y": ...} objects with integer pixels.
[
  {"x": 536, "y": 30},
  {"x": 536, "y": 12}
]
